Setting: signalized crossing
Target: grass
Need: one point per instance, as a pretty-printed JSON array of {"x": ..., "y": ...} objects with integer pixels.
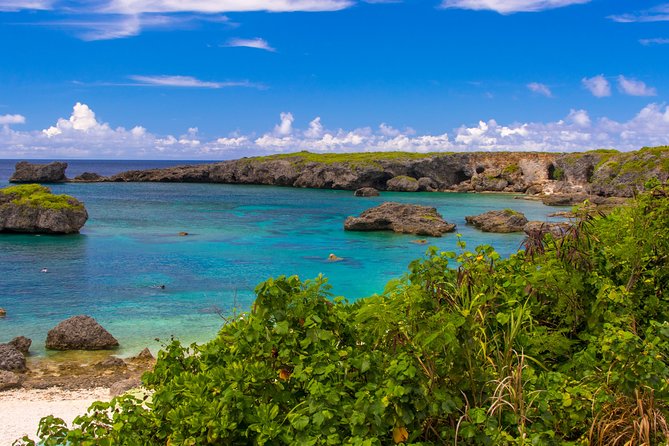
[
  {"x": 360, "y": 158},
  {"x": 35, "y": 195}
]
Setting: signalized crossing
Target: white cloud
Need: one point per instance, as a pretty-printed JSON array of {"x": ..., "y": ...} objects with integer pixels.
[
  {"x": 83, "y": 135},
  {"x": 655, "y": 41},
  {"x": 185, "y": 82},
  {"x": 19, "y": 5},
  {"x": 12, "y": 119},
  {"x": 634, "y": 87},
  {"x": 659, "y": 13},
  {"x": 285, "y": 128},
  {"x": 510, "y": 6},
  {"x": 257, "y": 43},
  {"x": 221, "y": 6},
  {"x": 599, "y": 86},
  {"x": 541, "y": 89}
]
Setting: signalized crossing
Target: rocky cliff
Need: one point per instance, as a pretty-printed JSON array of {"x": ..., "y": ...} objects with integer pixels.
[
  {"x": 26, "y": 172},
  {"x": 34, "y": 209},
  {"x": 603, "y": 172}
]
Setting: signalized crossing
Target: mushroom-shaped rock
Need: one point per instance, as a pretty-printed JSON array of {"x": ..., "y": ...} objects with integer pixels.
[
  {"x": 25, "y": 172},
  {"x": 506, "y": 220},
  {"x": 21, "y": 343},
  {"x": 11, "y": 359},
  {"x": 34, "y": 209},
  {"x": 558, "y": 229},
  {"x": 366, "y": 192},
  {"x": 402, "y": 183},
  {"x": 398, "y": 217},
  {"x": 80, "y": 333}
]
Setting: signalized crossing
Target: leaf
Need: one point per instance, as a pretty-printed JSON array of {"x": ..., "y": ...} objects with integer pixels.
[{"x": 400, "y": 435}]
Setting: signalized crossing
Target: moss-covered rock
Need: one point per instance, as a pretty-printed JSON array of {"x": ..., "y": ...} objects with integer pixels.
[{"x": 32, "y": 208}]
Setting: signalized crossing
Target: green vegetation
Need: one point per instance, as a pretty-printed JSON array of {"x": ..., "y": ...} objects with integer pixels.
[
  {"x": 35, "y": 195},
  {"x": 354, "y": 159},
  {"x": 558, "y": 174},
  {"x": 406, "y": 178},
  {"x": 511, "y": 169},
  {"x": 564, "y": 343},
  {"x": 509, "y": 211}
]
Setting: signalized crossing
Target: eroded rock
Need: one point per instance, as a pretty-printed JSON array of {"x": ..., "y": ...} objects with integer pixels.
[
  {"x": 366, "y": 192},
  {"x": 506, "y": 220},
  {"x": 10, "y": 380},
  {"x": 11, "y": 359},
  {"x": 403, "y": 218},
  {"x": 26, "y": 172},
  {"x": 22, "y": 344},
  {"x": 80, "y": 333}
]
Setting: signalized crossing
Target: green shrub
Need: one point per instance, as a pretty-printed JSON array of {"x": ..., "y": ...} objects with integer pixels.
[{"x": 36, "y": 195}]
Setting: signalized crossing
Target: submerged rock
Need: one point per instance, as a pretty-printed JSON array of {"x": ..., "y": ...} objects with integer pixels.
[
  {"x": 366, "y": 192},
  {"x": 3, "y": 312},
  {"x": 25, "y": 172},
  {"x": 33, "y": 208},
  {"x": 398, "y": 217},
  {"x": 506, "y": 220},
  {"x": 80, "y": 333},
  {"x": 11, "y": 359}
]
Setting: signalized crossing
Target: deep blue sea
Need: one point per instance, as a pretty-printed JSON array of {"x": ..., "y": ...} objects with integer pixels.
[{"x": 239, "y": 236}]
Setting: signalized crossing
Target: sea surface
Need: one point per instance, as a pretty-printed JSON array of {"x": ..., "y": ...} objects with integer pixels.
[{"x": 238, "y": 237}]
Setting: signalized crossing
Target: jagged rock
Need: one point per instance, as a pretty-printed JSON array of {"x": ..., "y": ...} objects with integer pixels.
[
  {"x": 26, "y": 172},
  {"x": 11, "y": 359},
  {"x": 398, "y": 217},
  {"x": 558, "y": 229},
  {"x": 366, "y": 192},
  {"x": 121, "y": 387},
  {"x": 80, "y": 333},
  {"x": 484, "y": 183},
  {"x": 563, "y": 199},
  {"x": 112, "y": 362},
  {"x": 3, "y": 312},
  {"x": 144, "y": 355},
  {"x": 22, "y": 344},
  {"x": 89, "y": 177},
  {"x": 32, "y": 208},
  {"x": 427, "y": 184},
  {"x": 402, "y": 183},
  {"x": 506, "y": 220},
  {"x": 10, "y": 380}
]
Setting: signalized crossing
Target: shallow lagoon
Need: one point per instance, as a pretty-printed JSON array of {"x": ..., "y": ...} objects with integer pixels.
[{"x": 238, "y": 237}]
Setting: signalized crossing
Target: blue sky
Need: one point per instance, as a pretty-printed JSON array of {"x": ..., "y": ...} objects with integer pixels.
[{"x": 217, "y": 79}]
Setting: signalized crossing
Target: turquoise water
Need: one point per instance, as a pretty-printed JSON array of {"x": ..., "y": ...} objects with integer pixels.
[{"x": 239, "y": 236}]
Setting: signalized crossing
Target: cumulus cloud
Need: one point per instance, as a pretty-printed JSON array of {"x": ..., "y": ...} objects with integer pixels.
[
  {"x": 634, "y": 87},
  {"x": 510, "y": 6},
  {"x": 83, "y": 135},
  {"x": 12, "y": 119},
  {"x": 541, "y": 89},
  {"x": 185, "y": 82},
  {"x": 659, "y": 13},
  {"x": 257, "y": 43},
  {"x": 599, "y": 86}
]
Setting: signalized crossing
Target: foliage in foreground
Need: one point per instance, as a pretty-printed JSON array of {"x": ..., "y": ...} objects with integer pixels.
[{"x": 564, "y": 343}]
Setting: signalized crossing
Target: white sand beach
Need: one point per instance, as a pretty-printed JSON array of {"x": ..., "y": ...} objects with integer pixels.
[{"x": 21, "y": 410}]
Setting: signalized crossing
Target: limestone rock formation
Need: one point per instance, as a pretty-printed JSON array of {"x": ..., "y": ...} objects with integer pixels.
[
  {"x": 34, "y": 209},
  {"x": 22, "y": 344},
  {"x": 402, "y": 183},
  {"x": 26, "y": 172},
  {"x": 80, "y": 333},
  {"x": 123, "y": 386},
  {"x": 10, "y": 380},
  {"x": 506, "y": 220},
  {"x": 398, "y": 217},
  {"x": 11, "y": 359},
  {"x": 366, "y": 192},
  {"x": 89, "y": 177}
]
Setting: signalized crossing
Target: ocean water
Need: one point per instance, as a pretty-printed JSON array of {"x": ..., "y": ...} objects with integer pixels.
[{"x": 238, "y": 237}]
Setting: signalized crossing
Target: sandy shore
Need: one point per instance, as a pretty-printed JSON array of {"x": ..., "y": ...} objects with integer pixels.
[{"x": 21, "y": 410}]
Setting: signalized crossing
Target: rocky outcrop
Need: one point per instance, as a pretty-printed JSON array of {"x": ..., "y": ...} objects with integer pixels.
[
  {"x": 403, "y": 218},
  {"x": 123, "y": 386},
  {"x": 11, "y": 359},
  {"x": 80, "y": 333},
  {"x": 402, "y": 183},
  {"x": 25, "y": 172},
  {"x": 89, "y": 177},
  {"x": 22, "y": 344},
  {"x": 10, "y": 380},
  {"x": 558, "y": 229},
  {"x": 506, "y": 220},
  {"x": 34, "y": 209},
  {"x": 366, "y": 192}
]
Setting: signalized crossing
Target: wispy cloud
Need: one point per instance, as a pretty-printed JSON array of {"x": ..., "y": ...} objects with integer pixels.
[
  {"x": 510, "y": 6},
  {"x": 185, "y": 82},
  {"x": 599, "y": 86},
  {"x": 12, "y": 119},
  {"x": 257, "y": 43},
  {"x": 20, "y": 5},
  {"x": 633, "y": 87},
  {"x": 224, "y": 6},
  {"x": 541, "y": 89},
  {"x": 655, "y": 41},
  {"x": 659, "y": 13}
]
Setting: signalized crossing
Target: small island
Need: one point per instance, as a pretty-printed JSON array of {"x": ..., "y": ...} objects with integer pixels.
[{"x": 32, "y": 208}]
